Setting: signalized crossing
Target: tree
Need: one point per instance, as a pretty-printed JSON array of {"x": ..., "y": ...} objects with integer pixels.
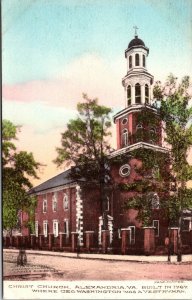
[
  {"x": 18, "y": 167},
  {"x": 170, "y": 182},
  {"x": 85, "y": 145},
  {"x": 176, "y": 113}
]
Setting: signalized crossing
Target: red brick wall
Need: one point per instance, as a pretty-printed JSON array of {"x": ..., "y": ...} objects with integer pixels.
[
  {"x": 60, "y": 214},
  {"x": 91, "y": 209},
  {"x": 131, "y": 127}
]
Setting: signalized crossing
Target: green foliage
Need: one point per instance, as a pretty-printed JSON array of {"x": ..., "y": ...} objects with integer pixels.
[
  {"x": 143, "y": 204},
  {"x": 164, "y": 173},
  {"x": 85, "y": 145},
  {"x": 31, "y": 214},
  {"x": 18, "y": 167},
  {"x": 85, "y": 142}
]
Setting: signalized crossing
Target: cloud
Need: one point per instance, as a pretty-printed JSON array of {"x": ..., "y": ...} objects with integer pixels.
[
  {"x": 89, "y": 74},
  {"x": 41, "y": 117}
]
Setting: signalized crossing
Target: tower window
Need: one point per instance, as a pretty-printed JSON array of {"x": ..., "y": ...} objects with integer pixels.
[
  {"x": 137, "y": 93},
  {"x": 129, "y": 95},
  {"x": 124, "y": 121},
  {"x": 125, "y": 170},
  {"x": 130, "y": 62},
  {"x": 144, "y": 61},
  {"x": 139, "y": 126},
  {"x": 125, "y": 137},
  {"x": 136, "y": 59},
  {"x": 146, "y": 93}
]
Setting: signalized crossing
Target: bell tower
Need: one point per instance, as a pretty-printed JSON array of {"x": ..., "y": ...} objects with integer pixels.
[
  {"x": 138, "y": 124},
  {"x": 137, "y": 82}
]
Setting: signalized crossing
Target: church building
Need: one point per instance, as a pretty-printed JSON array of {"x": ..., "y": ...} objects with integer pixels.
[{"x": 64, "y": 209}]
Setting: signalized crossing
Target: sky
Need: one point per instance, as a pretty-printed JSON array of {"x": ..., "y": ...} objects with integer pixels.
[{"x": 55, "y": 50}]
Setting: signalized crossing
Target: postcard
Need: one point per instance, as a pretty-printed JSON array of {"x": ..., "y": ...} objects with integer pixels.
[{"x": 96, "y": 149}]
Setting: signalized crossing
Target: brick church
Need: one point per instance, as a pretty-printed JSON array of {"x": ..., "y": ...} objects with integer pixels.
[{"x": 64, "y": 210}]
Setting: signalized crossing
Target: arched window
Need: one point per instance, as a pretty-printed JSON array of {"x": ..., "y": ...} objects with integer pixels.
[
  {"x": 144, "y": 61},
  {"x": 136, "y": 59},
  {"x": 139, "y": 133},
  {"x": 129, "y": 95},
  {"x": 137, "y": 93},
  {"x": 146, "y": 93},
  {"x": 125, "y": 137},
  {"x": 130, "y": 62},
  {"x": 54, "y": 202},
  {"x": 45, "y": 205},
  {"x": 65, "y": 202},
  {"x": 153, "y": 135}
]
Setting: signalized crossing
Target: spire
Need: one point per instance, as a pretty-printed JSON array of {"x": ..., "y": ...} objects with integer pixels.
[{"x": 135, "y": 27}]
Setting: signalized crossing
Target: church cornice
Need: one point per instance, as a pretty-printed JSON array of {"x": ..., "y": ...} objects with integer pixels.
[
  {"x": 135, "y": 76},
  {"x": 140, "y": 145},
  {"x": 133, "y": 108}
]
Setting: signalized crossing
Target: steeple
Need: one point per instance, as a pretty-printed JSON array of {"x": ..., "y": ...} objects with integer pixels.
[
  {"x": 138, "y": 124},
  {"x": 137, "y": 82}
]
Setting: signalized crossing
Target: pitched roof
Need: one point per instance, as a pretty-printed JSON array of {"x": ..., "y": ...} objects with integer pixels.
[{"x": 56, "y": 181}]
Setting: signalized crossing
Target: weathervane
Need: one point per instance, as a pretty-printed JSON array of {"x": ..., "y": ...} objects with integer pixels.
[{"x": 135, "y": 27}]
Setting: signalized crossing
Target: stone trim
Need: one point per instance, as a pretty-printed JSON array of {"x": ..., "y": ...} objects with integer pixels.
[
  {"x": 79, "y": 214},
  {"x": 149, "y": 227},
  {"x": 173, "y": 227}
]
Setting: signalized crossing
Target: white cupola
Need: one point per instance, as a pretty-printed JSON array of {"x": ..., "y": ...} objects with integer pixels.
[{"x": 137, "y": 82}]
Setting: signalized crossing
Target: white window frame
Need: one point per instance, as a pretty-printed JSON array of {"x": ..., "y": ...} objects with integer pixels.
[
  {"x": 153, "y": 201},
  {"x": 144, "y": 61},
  {"x": 36, "y": 228},
  {"x": 147, "y": 96},
  {"x": 130, "y": 62},
  {"x": 139, "y": 94},
  {"x": 124, "y": 121},
  {"x": 55, "y": 228},
  {"x": 137, "y": 59},
  {"x": 126, "y": 166},
  {"x": 129, "y": 96},
  {"x": 139, "y": 126},
  {"x": 45, "y": 228},
  {"x": 125, "y": 137},
  {"x": 65, "y": 200},
  {"x": 157, "y": 227},
  {"x": 119, "y": 233},
  {"x": 44, "y": 205},
  {"x": 108, "y": 204},
  {"x": 54, "y": 202},
  {"x": 190, "y": 223},
  {"x": 66, "y": 221},
  {"x": 132, "y": 235}
]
